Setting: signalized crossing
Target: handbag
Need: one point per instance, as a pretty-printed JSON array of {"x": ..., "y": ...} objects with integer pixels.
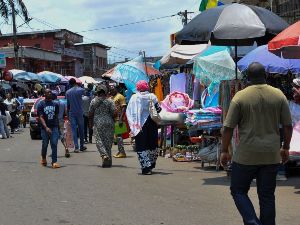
[
  {"x": 8, "y": 117},
  {"x": 152, "y": 110}
]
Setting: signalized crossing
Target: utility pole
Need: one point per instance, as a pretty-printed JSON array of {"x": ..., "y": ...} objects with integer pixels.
[
  {"x": 184, "y": 17},
  {"x": 15, "y": 36},
  {"x": 145, "y": 62}
]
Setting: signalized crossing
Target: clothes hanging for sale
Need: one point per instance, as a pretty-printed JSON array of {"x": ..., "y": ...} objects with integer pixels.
[
  {"x": 165, "y": 81},
  {"x": 158, "y": 91},
  {"x": 178, "y": 83}
]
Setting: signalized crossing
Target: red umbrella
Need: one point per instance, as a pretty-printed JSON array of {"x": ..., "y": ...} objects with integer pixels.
[
  {"x": 287, "y": 42},
  {"x": 150, "y": 70}
]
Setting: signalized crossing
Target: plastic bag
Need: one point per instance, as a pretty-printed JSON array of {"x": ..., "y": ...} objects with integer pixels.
[
  {"x": 209, "y": 153},
  {"x": 68, "y": 136}
]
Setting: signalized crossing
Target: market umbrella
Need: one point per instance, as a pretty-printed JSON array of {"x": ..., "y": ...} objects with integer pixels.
[
  {"x": 271, "y": 62},
  {"x": 5, "y": 86},
  {"x": 150, "y": 69},
  {"x": 232, "y": 25},
  {"x": 130, "y": 73},
  {"x": 88, "y": 80},
  {"x": 287, "y": 43},
  {"x": 14, "y": 71},
  {"x": 215, "y": 67},
  {"x": 49, "y": 78},
  {"x": 27, "y": 77},
  {"x": 62, "y": 78},
  {"x": 181, "y": 54},
  {"x": 77, "y": 80}
]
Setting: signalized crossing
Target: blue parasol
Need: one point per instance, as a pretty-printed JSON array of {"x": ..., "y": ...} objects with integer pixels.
[
  {"x": 271, "y": 62},
  {"x": 130, "y": 73},
  {"x": 27, "y": 77},
  {"x": 49, "y": 78}
]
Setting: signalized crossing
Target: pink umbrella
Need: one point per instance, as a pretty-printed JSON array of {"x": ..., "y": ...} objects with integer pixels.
[{"x": 77, "y": 80}]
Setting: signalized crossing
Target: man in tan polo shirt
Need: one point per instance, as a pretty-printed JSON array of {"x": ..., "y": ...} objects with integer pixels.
[{"x": 257, "y": 110}]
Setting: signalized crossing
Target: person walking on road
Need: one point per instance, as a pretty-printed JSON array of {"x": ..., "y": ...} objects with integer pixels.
[
  {"x": 75, "y": 113},
  {"x": 257, "y": 110},
  {"x": 12, "y": 105},
  {"x": 86, "y": 101},
  {"x": 3, "y": 120},
  {"x": 47, "y": 112},
  {"x": 120, "y": 103},
  {"x": 102, "y": 114},
  {"x": 62, "y": 112},
  {"x": 143, "y": 127}
]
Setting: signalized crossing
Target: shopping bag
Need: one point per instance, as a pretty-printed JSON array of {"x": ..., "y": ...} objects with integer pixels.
[
  {"x": 120, "y": 130},
  {"x": 8, "y": 117},
  {"x": 152, "y": 110},
  {"x": 68, "y": 136}
]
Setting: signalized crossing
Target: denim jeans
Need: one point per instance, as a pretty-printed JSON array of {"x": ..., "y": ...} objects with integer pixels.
[
  {"x": 53, "y": 139},
  {"x": 77, "y": 121},
  {"x": 241, "y": 178},
  {"x": 3, "y": 126}
]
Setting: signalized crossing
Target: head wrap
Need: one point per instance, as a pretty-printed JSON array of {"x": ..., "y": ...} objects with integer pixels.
[
  {"x": 296, "y": 81},
  {"x": 102, "y": 87},
  {"x": 142, "y": 86}
]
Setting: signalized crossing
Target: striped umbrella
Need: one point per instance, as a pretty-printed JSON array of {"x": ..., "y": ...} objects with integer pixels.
[{"x": 232, "y": 25}]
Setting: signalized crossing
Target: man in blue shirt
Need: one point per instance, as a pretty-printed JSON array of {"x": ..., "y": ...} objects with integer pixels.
[
  {"x": 75, "y": 113},
  {"x": 48, "y": 114}
]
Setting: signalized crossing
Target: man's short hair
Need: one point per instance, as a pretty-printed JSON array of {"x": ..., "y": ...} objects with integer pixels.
[
  {"x": 256, "y": 71},
  {"x": 72, "y": 81}
]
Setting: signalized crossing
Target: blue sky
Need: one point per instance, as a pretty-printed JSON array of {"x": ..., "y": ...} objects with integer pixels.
[{"x": 81, "y": 15}]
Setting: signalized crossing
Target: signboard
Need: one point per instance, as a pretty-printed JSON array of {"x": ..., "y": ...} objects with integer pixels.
[
  {"x": 172, "y": 39},
  {"x": 7, "y": 76},
  {"x": 2, "y": 61}
]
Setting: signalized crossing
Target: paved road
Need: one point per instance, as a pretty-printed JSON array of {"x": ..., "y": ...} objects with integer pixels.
[{"x": 81, "y": 192}]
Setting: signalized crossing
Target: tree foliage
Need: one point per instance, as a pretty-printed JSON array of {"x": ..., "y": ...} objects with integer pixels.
[{"x": 6, "y": 7}]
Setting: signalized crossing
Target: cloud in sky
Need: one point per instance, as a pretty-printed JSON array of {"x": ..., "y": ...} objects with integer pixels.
[{"x": 82, "y": 15}]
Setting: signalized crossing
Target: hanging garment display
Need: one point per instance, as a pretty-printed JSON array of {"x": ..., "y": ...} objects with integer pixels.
[{"x": 177, "y": 83}]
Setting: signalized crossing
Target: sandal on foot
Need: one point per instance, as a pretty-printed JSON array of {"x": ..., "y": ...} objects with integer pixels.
[
  {"x": 83, "y": 148},
  {"x": 55, "y": 165},
  {"x": 76, "y": 151},
  {"x": 43, "y": 161},
  {"x": 67, "y": 154},
  {"x": 105, "y": 161}
]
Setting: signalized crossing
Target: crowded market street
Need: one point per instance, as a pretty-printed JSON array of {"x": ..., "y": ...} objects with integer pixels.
[{"x": 81, "y": 192}]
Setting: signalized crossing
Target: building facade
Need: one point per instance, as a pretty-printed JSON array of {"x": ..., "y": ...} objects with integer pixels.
[
  {"x": 35, "y": 50},
  {"x": 95, "y": 59}
]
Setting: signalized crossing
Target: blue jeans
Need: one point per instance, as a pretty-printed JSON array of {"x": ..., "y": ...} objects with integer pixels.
[
  {"x": 53, "y": 139},
  {"x": 74, "y": 122},
  {"x": 241, "y": 178}
]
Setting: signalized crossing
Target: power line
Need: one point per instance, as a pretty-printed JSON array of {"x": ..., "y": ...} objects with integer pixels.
[
  {"x": 194, "y": 4},
  {"x": 126, "y": 24},
  {"x": 55, "y": 27}
]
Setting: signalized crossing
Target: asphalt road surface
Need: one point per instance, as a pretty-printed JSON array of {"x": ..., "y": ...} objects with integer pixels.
[{"x": 81, "y": 192}]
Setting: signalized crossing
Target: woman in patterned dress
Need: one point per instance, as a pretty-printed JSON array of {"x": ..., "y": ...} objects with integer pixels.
[
  {"x": 143, "y": 127},
  {"x": 102, "y": 115}
]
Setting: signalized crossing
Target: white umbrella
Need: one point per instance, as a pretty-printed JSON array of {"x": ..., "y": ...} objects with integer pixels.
[
  {"x": 14, "y": 71},
  {"x": 88, "y": 80}
]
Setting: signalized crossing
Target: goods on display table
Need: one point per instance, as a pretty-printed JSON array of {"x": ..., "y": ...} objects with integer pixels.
[{"x": 28, "y": 104}]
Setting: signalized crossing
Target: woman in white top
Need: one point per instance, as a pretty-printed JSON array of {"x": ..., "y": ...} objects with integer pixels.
[
  {"x": 12, "y": 108},
  {"x": 143, "y": 127}
]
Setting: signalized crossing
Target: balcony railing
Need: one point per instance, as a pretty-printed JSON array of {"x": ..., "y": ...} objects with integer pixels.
[
  {"x": 69, "y": 52},
  {"x": 290, "y": 6}
]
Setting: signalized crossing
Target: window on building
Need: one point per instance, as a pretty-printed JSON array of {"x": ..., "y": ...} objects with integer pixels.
[
  {"x": 101, "y": 62},
  {"x": 104, "y": 62},
  {"x": 56, "y": 67},
  {"x": 37, "y": 45}
]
